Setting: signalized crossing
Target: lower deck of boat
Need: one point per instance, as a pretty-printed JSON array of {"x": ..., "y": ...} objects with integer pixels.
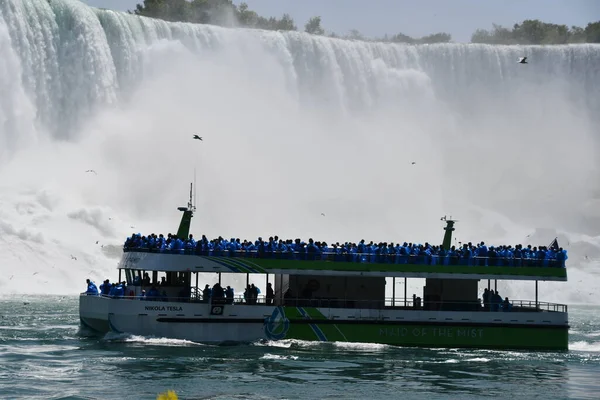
[{"x": 519, "y": 328}]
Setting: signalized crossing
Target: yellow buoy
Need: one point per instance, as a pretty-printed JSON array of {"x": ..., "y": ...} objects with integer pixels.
[{"x": 168, "y": 395}]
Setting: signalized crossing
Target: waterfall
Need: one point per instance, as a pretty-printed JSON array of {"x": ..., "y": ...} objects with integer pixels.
[{"x": 294, "y": 125}]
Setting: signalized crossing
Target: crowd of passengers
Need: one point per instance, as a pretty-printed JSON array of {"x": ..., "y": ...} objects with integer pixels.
[
  {"x": 393, "y": 253},
  {"x": 216, "y": 294},
  {"x": 117, "y": 289},
  {"x": 492, "y": 301}
]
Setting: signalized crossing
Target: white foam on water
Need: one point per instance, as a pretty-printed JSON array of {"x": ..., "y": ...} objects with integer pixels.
[
  {"x": 585, "y": 346},
  {"x": 149, "y": 340},
  {"x": 268, "y": 356}
]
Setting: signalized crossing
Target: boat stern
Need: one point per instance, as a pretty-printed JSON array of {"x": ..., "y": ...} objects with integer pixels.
[{"x": 93, "y": 312}]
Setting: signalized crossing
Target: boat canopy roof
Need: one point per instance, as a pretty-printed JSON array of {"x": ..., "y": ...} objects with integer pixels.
[{"x": 345, "y": 265}]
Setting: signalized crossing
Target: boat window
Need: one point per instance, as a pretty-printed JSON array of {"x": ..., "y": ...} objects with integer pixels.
[{"x": 129, "y": 276}]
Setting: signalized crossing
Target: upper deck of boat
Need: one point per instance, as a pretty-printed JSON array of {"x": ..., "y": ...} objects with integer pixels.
[{"x": 297, "y": 263}]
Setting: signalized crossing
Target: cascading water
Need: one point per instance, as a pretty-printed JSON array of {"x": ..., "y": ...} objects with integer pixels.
[{"x": 294, "y": 126}]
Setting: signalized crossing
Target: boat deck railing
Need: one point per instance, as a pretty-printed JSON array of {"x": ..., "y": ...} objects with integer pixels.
[
  {"x": 366, "y": 258},
  {"x": 378, "y": 304}
]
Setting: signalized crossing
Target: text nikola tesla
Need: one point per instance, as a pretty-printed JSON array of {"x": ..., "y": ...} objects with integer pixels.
[{"x": 433, "y": 332}]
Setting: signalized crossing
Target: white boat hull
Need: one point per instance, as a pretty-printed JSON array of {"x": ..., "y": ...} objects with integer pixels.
[{"x": 212, "y": 323}]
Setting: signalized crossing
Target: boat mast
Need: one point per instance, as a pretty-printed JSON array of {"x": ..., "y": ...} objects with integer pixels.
[
  {"x": 186, "y": 219},
  {"x": 447, "y": 243}
]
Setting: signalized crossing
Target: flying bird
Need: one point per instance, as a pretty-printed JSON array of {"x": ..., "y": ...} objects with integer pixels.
[
  {"x": 413, "y": 163},
  {"x": 197, "y": 137},
  {"x": 92, "y": 171},
  {"x": 73, "y": 257},
  {"x": 522, "y": 60},
  {"x": 323, "y": 214},
  {"x": 97, "y": 241}
]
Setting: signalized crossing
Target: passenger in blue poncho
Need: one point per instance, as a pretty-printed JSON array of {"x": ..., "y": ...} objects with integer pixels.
[
  {"x": 105, "y": 288},
  {"x": 92, "y": 290}
]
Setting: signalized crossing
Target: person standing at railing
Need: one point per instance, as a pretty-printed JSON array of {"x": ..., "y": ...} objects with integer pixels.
[
  {"x": 467, "y": 255},
  {"x": 92, "y": 289},
  {"x": 482, "y": 253},
  {"x": 492, "y": 257},
  {"x": 312, "y": 250},
  {"x": 260, "y": 247},
  {"x": 206, "y": 294},
  {"x": 496, "y": 300},
  {"x": 561, "y": 257},
  {"x": 270, "y": 294},
  {"x": 506, "y": 306},
  {"x": 229, "y": 295},
  {"x": 105, "y": 287},
  {"x": 254, "y": 292},
  {"x": 372, "y": 250},
  {"x": 486, "y": 299}
]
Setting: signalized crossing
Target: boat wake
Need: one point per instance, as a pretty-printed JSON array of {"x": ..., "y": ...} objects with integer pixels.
[
  {"x": 148, "y": 340},
  {"x": 585, "y": 346}
]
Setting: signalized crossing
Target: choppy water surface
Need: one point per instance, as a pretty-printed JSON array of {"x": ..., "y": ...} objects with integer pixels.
[{"x": 43, "y": 355}]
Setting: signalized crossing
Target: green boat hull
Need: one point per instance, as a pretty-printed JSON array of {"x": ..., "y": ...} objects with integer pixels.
[{"x": 307, "y": 324}]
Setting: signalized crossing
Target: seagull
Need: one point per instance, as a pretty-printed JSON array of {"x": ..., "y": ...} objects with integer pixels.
[
  {"x": 73, "y": 257},
  {"x": 97, "y": 241},
  {"x": 522, "y": 60},
  {"x": 197, "y": 137},
  {"x": 413, "y": 163},
  {"x": 35, "y": 273},
  {"x": 323, "y": 214},
  {"x": 91, "y": 170}
]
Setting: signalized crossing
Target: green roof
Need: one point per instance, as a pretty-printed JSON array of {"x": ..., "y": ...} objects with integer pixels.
[{"x": 269, "y": 265}]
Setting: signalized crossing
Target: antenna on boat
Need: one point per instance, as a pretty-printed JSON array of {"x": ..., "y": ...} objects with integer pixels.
[{"x": 195, "y": 189}]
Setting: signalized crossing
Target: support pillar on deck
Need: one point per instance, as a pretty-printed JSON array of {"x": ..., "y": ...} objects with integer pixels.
[
  {"x": 405, "y": 292},
  {"x": 536, "y": 294},
  {"x": 219, "y": 279},
  {"x": 394, "y": 291}
]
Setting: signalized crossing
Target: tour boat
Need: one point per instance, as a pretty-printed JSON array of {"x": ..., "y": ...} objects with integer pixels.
[{"x": 328, "y": 297}]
